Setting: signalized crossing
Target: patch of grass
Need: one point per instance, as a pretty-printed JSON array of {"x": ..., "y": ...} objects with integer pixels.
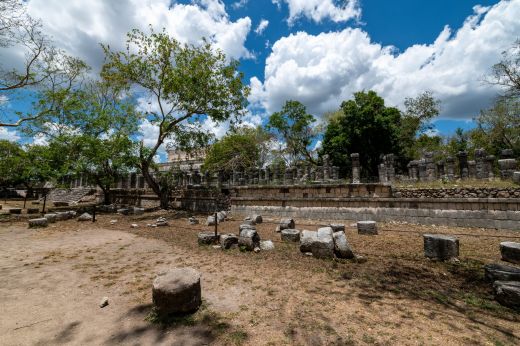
[
  {"x": 439, "y": 297},
  {"x": 238, "y": 337}
]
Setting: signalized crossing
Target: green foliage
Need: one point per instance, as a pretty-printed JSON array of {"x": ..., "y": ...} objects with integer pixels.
[
  {"x": 367, "y": 127},
  {"x": 11, "y": 163},
  {"x": 241, "y": 149},
  {"x": 294, "y": 126}
]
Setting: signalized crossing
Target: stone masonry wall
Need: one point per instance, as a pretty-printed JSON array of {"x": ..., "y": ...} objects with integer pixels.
[{"x": 458, "y": 193}]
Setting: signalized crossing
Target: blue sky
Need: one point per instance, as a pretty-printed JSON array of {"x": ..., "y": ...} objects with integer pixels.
[{"x": 316, "y": 51}]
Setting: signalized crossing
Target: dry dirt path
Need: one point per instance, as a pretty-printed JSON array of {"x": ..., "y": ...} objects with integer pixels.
[{"x": 53, "y": 279}]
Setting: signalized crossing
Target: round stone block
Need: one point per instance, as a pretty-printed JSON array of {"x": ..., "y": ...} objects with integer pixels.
[
  {"x": 500, "y": 272},
  {"x": 507, "y": 293},
  {"x": 510, "y": 251},
  {"x": 51, "y": 217},
  {"x": 286, "y": 224},
  {"x": 367, "y": 227},
  {"x": 177, "y": 291},
  {"x": 249, "y": 239},
  {"x": 290, "y": 235},
  {"x": 441, "y": 247},
  {"x": 40, "y": 222}
]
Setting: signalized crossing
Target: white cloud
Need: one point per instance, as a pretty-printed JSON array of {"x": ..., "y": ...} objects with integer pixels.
[
  {"x": 8, "y": 134},
  {"x": 318, "y": 10},
  {"x": 239, "y": 4},
  {"x": 262, "y": 26},
  {"x": 323, "y": 70},
  {"x": 3, "y": 100},
  {"x": 79, "y": 26}
]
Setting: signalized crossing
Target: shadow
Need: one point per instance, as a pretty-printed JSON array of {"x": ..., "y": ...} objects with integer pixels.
[{"x": 65, "y": 336}]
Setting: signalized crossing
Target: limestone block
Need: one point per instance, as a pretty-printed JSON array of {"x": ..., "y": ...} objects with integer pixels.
[
  {"x": 62, "y": 215},
  {"x": 290, "y": 235},
  {"x": 306, "y": 239},
  {"x": 510, "y": 251},
  {"x": 500, "y": 272},
  {"x": 177, "y": 291},
  {"x": 221, "y": 217},
  {"x": 516, "y": 177},
  {"x": 323, "y": 245},
  {"x": 138, "y": 211},
  {"x": 40, "y": 222},
  {"x": 210, "y": 221},
  {"x": 342, "y": 248},
  {"x": 257, "y": 218},
  {"x": 51, "y": 217},
  {"x": 287, "y": 224},
  {"x": 507, "y": 293},
  {"x": 442, "y": 247},
  {"x": 228, "y": 240},
  {"x": 249, "y": 239},
  {"x": 206, "y": 238},
  {"x": 367, "y": 227},
  {"x": 337, "y": 227}
]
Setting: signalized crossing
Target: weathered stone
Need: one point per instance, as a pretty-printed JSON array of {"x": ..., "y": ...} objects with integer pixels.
[
  {"x": 367, "y": 227},
  {"x": 257, "y": 218},
  {"x": 507, "y": 293},
  {"x": 510, "y": 251},
  {"x": 33, "y": 210},
  {"x": 306, "y": 239},
  {"x": 51, "y": 217},
  {"x": 500, "y": 272},
  {"x": 441, "y": 247},
  {"x": 257, "y": 249},
  {"x": 228, "y": 240},
  {"x": 72, "y": 213},
  {"x": 266, "y": 245},
  {"x": 245, "y": 226},
  {"x": 123, "y": 211},
  {"x": 287, "y": 224},
  {"x": 193, "y": 221},
  {"x": 342, "y": 248},
  {"x": 85, "y": 217},
  {"x": 221, "y": 217},
  {"x": 206, "y": 238},
  {"x": 177, "y": 291},
  {"x": 210, "y": 221},
  {"x": 337, "y": 227},
  {"x": 104, "y": 302},
  {"x": 40, "y": 222},
  {"x": 290, "y": 235},
  {"x": 323, "y": 245},
  {"x": 249, "y": 239},
  {"x": 134, "y": 225},
  {"x": 15, "y": 211},
  {"x": 516, "y": 177},
  {"x": 62, "y": 215},
  {"x": 61, "y": 204},
  {"x": 138, "y": 211},
  {"x": 161, "y": 222}
]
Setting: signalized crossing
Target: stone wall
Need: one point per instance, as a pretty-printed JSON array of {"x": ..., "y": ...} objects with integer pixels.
[{"x": 457, "y": 193}]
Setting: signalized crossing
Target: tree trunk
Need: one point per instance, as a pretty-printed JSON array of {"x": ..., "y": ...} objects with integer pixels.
[
  {"x": 107, "y": 196},
  {"x": 162, "y": 193}
]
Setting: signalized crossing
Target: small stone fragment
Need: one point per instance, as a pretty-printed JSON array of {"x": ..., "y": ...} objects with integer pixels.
[
  {"x": 257, "y": 218},
  {"x": 161, "y": 222},
  {"x": 266, "y": 245},
  {"x": 85, "y": 217},
  {"x": 256, "y": 249},
  {"x": 210, "y": 221},
  {"x": 205, "y": 238},
  {"x": 287, "y": 224},
  {"x": 134, "y": 225},
  {"x": 138, "y": 211},
  {"x": 193, "y": 221},
  {"x": 104, "y": 302},
  {"x": 123, "y": 211}
]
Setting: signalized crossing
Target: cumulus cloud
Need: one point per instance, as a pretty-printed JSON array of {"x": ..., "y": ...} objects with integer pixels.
[
  {"x": 8, "y": 134},
  {"x": 239, "y": 4},
  {"x": 318, "y": 10},
  {"x": 262, "y": 26},
  {"x": 323, "y": 70},
  {"x": 79, "y": 26}
]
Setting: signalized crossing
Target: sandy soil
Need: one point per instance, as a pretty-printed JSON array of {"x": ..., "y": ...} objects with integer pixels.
[{"x": 53, "y": 280}]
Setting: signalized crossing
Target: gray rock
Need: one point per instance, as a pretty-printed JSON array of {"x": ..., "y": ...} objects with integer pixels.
[
  {"x": 249, "y": 239},
  {"x": 290, "y": 235},
  {"x": 161, "y": 222},
  {"x": 51, "y": 217},
  {"x": 360, "y": 259},
  {"x": 40, "y": 222},
  {"x": 134, "y": 225},
  {"x": 104, "y": 302},
  {"x": 245, "y": 226},
  {"x": 72, "y": 213},
  {"x": 228, "y": 240},
  {"x": 123, "y": 211},
  {"x": 193, "y": 221},
  {"x": 177, "y": 291},
  {"x": 138, "y": 211},
  {"x": 507, "y": 293},
  {"x": 510, "y": 251},
  {"x": 500, "y": 272},
  {"x": 85, "y": 217},
  {"x": 257, "y": 249},
  {"x": 337, "y": 227},
  {"x": 221, "y": 216},
  {"x": 205, "y": 238},
  {"x": 367, "y": 227},
  {"x": 257, "y": 218},
  {"x": 62, "y": 215},
  {"x": 342, "y": 248},
  {"x": 266, "y": 245},
  {"x": 323, "y": 245},
  {"x": 306, "y": 239},
  {"x": 441, "y": 247},
  {"x": 287, "y": 224},
  {"x": 210, "y": 221}
]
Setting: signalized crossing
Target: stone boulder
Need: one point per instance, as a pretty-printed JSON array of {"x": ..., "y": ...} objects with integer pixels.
[
  {"x": 161, "y": 222},
  {"x": 51, "y": 217},
  {"x": 33, "y": 210},
  {"x": 193, "y": 221},
  {"x": 440, "y": 247},
  {"x": 206, "y": 238},
  {"x": 85, "y": 217},
  {"x": 40, "y": 222},
  {"x": 15, "y": 211},
  {"x": 257, "y": 219},
  {"x": 507, "y": 293},
  {"x": 210, "y": 221},
  {"x": 228, "y": 240},
  {"x": 62, "y": 215},
  {"x": 266, "y": 245},
  {"x": 323, "y": 245},
  {"x": 249, "y": 239},
  {"x": 221, "y": 216},
  {"x": 337, "y": 227},
  {"x": 367, "y": 227},
  {"x": 176, "y": 291},
  {"x": 500, "y": 272},
  {"x": 510, "y": 251},
  {"x": 342, "y": 248},
  {"x": 290, "y": 235},
  {"x": 306, "y": 239},
  {"x": 286, "y": 224}
]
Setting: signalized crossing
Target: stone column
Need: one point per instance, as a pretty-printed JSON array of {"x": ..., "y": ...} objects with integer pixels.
[
  {"x": 462, "y": 156},
  {"x": 335, "y": 173},
  {"x": 481, "y": 164},
  {"x": 267, "y": 175},
  {"x": 326, "y": 167},
  {"x": 472, "y": 169},
  {"x": 319, "y": 174},
  {"x": 421, "y": 168},
  {"x": 490, "y": 165},
  {"x": 389, "y": 164},
  {"x": 430, "y": 166},
  {"x": 356, "y": 168},
  {"x": 450, "y": 168},
  {"x": 441, "y": 172},
  {"x": 413, "y": 170},
  {"x": 288, "y": 179},
  {"x": 383, "y": 177}
]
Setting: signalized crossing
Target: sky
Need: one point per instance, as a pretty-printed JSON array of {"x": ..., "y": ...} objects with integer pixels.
[{"x": 318, "y": 52}]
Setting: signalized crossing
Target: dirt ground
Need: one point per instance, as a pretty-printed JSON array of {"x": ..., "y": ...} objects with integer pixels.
[{"x": 53, "y": 279}]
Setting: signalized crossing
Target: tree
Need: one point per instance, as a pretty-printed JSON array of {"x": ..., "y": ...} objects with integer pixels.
[
  {"x": 186, "y": 83},
  {"x": 367, "y": 127},
  {"x": 241, "y": 149},
  {"x": 11, "y": 163},
  {"x": 506, "y": 73},
  {"x": 293, "y": 126}
]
